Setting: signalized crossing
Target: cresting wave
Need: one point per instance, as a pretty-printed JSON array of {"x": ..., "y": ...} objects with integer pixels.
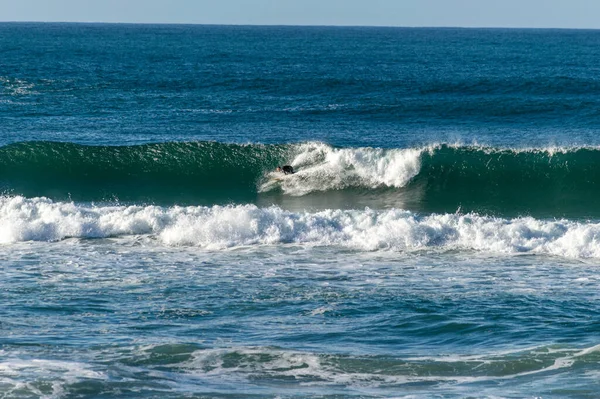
[
  {"x": 440, "y": 178},
  {"x": 218, "y": 227}
]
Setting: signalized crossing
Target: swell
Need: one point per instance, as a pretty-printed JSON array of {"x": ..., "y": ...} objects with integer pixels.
[{"x": 437, "y": 178}]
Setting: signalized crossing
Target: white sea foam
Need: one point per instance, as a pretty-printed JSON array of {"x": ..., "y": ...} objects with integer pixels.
[
  {"x": 18, "y": 375},
  {"x": 314, "y": 369},
  {"x": 66, "y": 369},
  {"x": 304, "y": 368},
  {"x": 16, "y": 87},
  {"x": 219, "y": 227},
  {"x": 322, "y": 168}
]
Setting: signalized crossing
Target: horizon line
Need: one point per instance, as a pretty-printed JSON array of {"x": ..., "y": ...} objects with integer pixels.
[{"x": 298, "y": 25}]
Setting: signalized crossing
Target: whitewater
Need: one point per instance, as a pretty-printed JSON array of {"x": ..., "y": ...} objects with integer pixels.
[{"x": 218, "y": 227}]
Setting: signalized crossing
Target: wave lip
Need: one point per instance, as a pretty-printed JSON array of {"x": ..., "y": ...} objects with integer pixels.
[{"x": 221, "y": 227}]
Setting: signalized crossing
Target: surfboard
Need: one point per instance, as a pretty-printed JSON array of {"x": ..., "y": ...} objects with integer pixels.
[
  {"x": 272, "y": 180},
  {"x": 277, "y": 178}
]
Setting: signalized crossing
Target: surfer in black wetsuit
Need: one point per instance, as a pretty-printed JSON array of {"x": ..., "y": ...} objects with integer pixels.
[{"x": 286, "y": 169}]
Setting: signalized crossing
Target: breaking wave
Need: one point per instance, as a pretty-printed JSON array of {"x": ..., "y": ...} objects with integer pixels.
[
  {"x": 547, "y": 182},
  {"x": 220, "y": 227}
]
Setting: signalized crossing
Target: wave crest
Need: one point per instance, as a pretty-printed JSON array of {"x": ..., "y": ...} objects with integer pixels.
[{"x": 324, "y": 168}]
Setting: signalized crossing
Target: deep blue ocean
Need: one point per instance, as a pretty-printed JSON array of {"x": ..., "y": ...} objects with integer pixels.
[{"x": 440, "y": 237}]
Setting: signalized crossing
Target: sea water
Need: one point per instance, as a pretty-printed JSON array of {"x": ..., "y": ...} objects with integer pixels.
[{"x": 439, "y": 239}]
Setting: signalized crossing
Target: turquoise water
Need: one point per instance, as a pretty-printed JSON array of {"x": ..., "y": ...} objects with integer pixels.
[{"x": 440, "y": 238}]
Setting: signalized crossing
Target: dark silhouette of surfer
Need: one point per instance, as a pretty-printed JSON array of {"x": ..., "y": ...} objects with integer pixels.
[{"x": 286, "y": 169}]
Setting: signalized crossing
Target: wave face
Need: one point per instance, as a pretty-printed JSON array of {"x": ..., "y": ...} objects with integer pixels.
[
  {"x": 437, "y": 178},
  {"x": 167, "y": 172},
  {"x": 541, "y": 182},
  {"x": 217, "y": 227}
]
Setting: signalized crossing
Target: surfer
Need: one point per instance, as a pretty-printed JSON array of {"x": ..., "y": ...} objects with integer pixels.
[{"x": 286, "y": 169}]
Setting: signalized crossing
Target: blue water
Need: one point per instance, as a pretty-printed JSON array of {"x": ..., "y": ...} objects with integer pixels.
[{"x": 439, "y": 239}]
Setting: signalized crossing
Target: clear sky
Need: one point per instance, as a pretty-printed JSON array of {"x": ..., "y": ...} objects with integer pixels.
[{"x": 464, "y": 13}]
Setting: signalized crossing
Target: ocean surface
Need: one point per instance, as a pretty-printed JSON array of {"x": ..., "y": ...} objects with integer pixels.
[{"x": 439, "y": 239}]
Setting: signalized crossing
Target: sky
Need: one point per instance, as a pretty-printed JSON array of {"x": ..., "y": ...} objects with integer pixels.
[{"x": 584, "y": 14}]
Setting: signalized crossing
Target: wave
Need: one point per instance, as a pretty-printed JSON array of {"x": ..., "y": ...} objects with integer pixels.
[
  {"x": 220, "y": 227},
  {"x": 194, "y": 172},
  {"x": 553, "y": 181},
  {"x": 313, "y": 369},
  {"x": 263, "y": 368},
  {"x": 559, "y": 182}
]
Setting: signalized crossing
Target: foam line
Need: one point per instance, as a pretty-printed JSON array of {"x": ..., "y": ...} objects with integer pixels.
[{"x": 220, "y": 227}]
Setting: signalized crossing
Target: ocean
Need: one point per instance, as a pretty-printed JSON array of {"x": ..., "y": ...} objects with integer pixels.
[{"x": 439, "y": 239}]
